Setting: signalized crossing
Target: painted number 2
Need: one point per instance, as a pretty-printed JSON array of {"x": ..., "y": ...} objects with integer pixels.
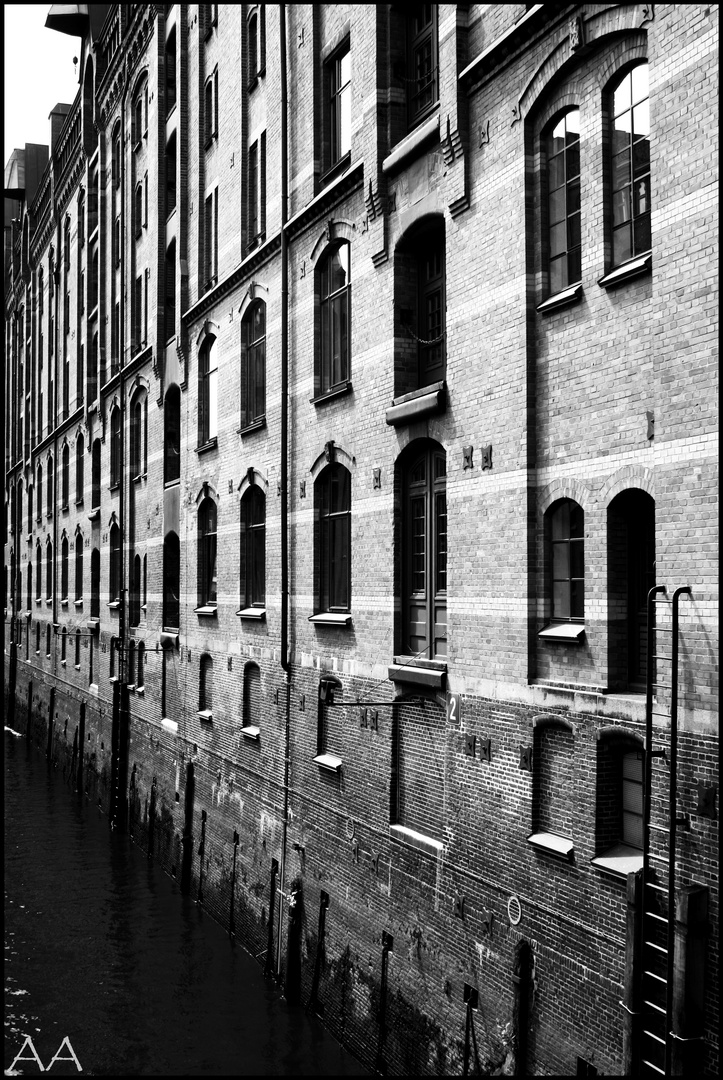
[{"x": 454, "y": 709}]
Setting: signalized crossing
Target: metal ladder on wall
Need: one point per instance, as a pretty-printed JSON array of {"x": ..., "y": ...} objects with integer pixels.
[{"x": 659, "y": 841}]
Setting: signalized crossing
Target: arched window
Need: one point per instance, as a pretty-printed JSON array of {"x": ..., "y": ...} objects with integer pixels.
[
  {"x": 566, "y": 561},
  {"x": 38, "y": 574},
  {"x": 208, "y": 392},
  {"x": 65, "y": 484},
  {"x": 172, "y": 435},
  {"x": 135, "y": 598},
  {"x": 253, "y": 368},
  {"x": 554, "y": 809},
  {"x": 424, "y": 551},
  {"x": 630, "y": 159},
  {"x": 39, "y": 486},
  {"x": 50, "y": 487},
  {"x": 170, "y": 312},
  {"x": 630, "y": 577},
  {"x": 115, "y": 564},
  {"x": 252, "y": 699},
  {"x": 205, "y": 688},
  {"x": 253, "y": 548},
  {"x": 95, "y": 475},
  {"x": 93, "y": 369},
  {"x": 28, "y": 597},
  {"x": 334, "y": 292},
  {"x": 115, "y": 447},
  {"x": 207, "y": 537},
  {"x": 30, "y": 509},
  {"x": 116, "y": 165},
  {"x": 171, "y": 581},
  {"x": 171, "y": 174},
  {"x": 140, "y": 676},
  {"x": 49, "y": 570},
  {"x": 66, "y": 244},
  {"x": 332, "y": 498},
  {"x": 79, "y": 468},
  {"x": 171, "y": 71},
  {"x": 64, "y": 569},
  {"x": 136, "y": 439},
  {"x": 95, "y": 584},
  {"x": 562, "y": 147},
  {"x": 144, "y": 605},
  {"x": 138, "y": 209},
  {"x": 79, "y": 568},
  {"x": 420, "y": 300}
]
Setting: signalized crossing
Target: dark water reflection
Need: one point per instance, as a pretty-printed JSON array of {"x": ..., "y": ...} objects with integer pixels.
[{"x": 101, "y": 948}]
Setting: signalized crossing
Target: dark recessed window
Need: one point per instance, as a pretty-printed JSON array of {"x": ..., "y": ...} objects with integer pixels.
[
  {"x": 115, "y": 447},
  {"x": 171, "y": 581},
  {"x": 563, "y": 201},
  {"x": 339, "y": 106},
  {"x": 253, "y": 365},
  {"x": 332, "y": 494},
  {"x": 115, "y": 564},
  {"x": 422, "y": 70},
  {"x": 630, "y": 149},
  {"x": 172, "y": 435},
  {"x": 253, "y": 548},
  {"x": 567, "y": 560},
  {"x": 424, "y": 553},
  {"x": 208, "y": 392},
  {"x": 334, "y": 286},
  {"x": 207, "y": 548}
]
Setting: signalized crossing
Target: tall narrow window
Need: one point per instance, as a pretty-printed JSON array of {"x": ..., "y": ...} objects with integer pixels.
[
  {"x": 30, "y": 509},
  {"x": 422, "y": 71},
  {"x": 65, "y": 483},
  {"x": 115, "y": 447},
  {"x": 211, "y": 237},
  {"x": 138, "y": 210},
  {"x": 95, "y": 584},
  {"x": 567, "y": 561},
  {"x": 170, "y": 290},
  {"x": 77, "y": 648},
  {"x": 114, "y": 582},
  {"x": 424, "y": 553},
  {"x": 79, "y": 567},
  {"x": 50, "y": 487},
  {"x": 252, "y": 698},
  {"x": 136, "y": 439},
  {"x": 420, "y": 300},
  {"x": 630, "y": 577},
  {"x": 211, "y": 109},
  {"x": 38, "y": 575},
  {"x": 256, "y": 45},
  {"x": 116, "y": 161},
  {"x": 334, "y": 285},
  {"x": 172, "y": 435},
  {"x": 138, "y": 314},
  {"x": 39, "y": 486},
  {"x": 64, "y": 569},
  {"x": 208, "y": 392},
  {"x": 171, "y": 174},
  {"x": 79, "y": 468},
  {"x": 332, "y": 494},
  {"x": 631, "y": 166},
  {"x": 339, "y": 106},
  {"x": 205, "y": 688},
  {"x": 207, "y": 547},
  {"x": 95, "y": 475},
  {"x": 140, "y": 673},
  {"x": 171, "y": 581},
  {"x": 135, "y": 591},
  {"x": 64, "y": 645},
  {"x": 93, "y": 369},
  {"x": 563, "y": 202},
  {"x": 171, "y": 71},
  {"x": 131, "y": 676},
  {"x": 253, "y": 548},
  {"x": 49, "y": 570},
  {"x": 253, "y": 370}
]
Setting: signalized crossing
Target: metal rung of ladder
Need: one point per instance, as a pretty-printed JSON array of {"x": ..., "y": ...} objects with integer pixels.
[
  {"x": 658, "y": 828},
  {"x": 654, "y": 1067},
  {"x": 652, "y": 1035},
  {"x": 658, "y": 978},
  {"x": 658, "y": 948},
  {"x": 657, "y": 888},
  {"x": 656, "y": 1007},
  {"x": 658, "y": 918}
]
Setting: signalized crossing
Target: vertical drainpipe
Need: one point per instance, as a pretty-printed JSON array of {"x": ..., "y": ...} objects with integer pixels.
[
  {"x": 284, "y": 460},
  {"x": 56, "y": 335}
]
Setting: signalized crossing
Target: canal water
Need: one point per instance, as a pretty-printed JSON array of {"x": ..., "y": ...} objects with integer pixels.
[{"x": 102, "y": 950}]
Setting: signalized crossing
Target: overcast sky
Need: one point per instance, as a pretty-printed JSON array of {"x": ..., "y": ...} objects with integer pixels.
[{"x": 38, "y": 74}]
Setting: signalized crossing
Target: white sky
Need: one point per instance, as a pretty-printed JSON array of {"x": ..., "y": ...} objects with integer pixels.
[{"x": 38, "y": 74}]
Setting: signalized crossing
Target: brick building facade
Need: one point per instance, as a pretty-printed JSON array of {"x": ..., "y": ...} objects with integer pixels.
[{"x": 360, "y": 384}]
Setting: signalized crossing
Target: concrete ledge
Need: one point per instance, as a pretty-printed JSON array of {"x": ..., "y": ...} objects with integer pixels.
[{"x": 416, "y": 839}]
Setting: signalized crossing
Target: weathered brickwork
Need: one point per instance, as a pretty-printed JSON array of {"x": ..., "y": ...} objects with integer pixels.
[{"x": 388, "y": 829}]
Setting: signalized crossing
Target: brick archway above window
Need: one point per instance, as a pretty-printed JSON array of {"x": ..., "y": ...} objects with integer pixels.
[
  {"x": 208, "y": 330},
  {"x": 256, "y": 291},
  {"x": 258, "y": 479},
  {"x": 615, "y": 733},
  {"x": 629, "y": 478},
  {"x": 553, "y": 720},
  {"x": 340, "y": 455},
  {"x": 564, "y": 489},
  {"x": 206, "y": 491},
  {"x": 334, "y": 231}
]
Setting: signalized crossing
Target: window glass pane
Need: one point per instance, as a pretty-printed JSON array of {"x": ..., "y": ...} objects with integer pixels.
[
  {"x": 574, "y": 266},
  {"x": 641, "y": 119},
  {"x": 258, "y": 323},
  {"x": 557, "y": 205},
  {"x": 345, "y": 121},
  {"x": 573, "y": 197},
  {"x": 561, "y": 522},
  {"x": 258, "y": 566},
  {"x": 621, "y": 99},
  {"x": 573, "y": 231},
  {"x": 558, "y": 239},
  {"x": 621, "y": 206},
  {"x": 577, "y": 598},
  {"x": 642, "y": 234},
  {"x": 440, "y": 513},
  {"x": 577, "y": 519},
  {"x": 577, "y": 558},
  {"x": 641, "y": 191},
  {"x": 556, "y": 140},
  {"x": 622, "y": 245},
  {"x": 621, "y": 170},
  {"x": 572, "y": 125},
  {"x": 561, "y": 560},
  {"x": 339, "y": 530},
  {"x": 418, "y": 531},
  {"x": 561, "y": 600},
  {"x": 639, "y": 78},
  {"x": 621, "y": 133},
  {"x": 641, "y": 157},
  {"x": 558, "y": 275},
  {"x": 211, "y": 550},
  {"x": 573, "y": 160},
  {"x": 212, "y": 403},
  {"x": 556, "y": 172}
]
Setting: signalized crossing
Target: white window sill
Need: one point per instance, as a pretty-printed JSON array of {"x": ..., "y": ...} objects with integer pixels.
[
  {"x": 632, "y": 269},
  {"x": 169, "y": 725},
  {"x": 78, "y": 603},
  {"x": 416, "y": 839},
  {"x": 329, "y": 761},
  {"x": 412, "y": 143},
  {"x": 207, "y": 609},
  {"x": 257, "y": 613},
  {"x": 205, "y": 716},
  {"x": 114, "y": 604},
  {"x": 64, "y": 603},
  {"x": 563, "y": 632},
  {"x": 561, "y": 299},
  {"x": 140, "y": 691},
  {"x": 619, "y": 861},
  {"x": 560, "y": 846},
  {"x": 331, "y": 618},
  {"x": 63, "y": 663},
  {"x": 251, "y": 732}
]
